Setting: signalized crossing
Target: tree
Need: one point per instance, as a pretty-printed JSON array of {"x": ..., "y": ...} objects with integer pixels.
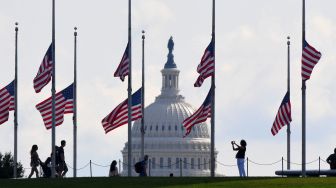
[{"x": 7, "y": 166}]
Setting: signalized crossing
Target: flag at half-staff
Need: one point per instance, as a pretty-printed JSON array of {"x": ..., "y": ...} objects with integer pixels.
[
  {"x": 119, "y": 116},
  {"x": 64, "y": 104},
  {"x": 310, "y": 57},
  {"x": 44, "y": 73},
  {"x": 206, "y": 68},
  {"x": 201, "y": 115},
  {"x": 123, "y": 68},
  {"x": 6, "y": 101},
  {"x": 283, "y": 116}
]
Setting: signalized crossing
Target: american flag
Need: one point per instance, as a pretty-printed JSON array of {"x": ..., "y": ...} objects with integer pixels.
[
  {"x": 44, "y": 73},
  {"x": 6, "y": 102},
  {"x": 119, "y": 116},
  {"x": 122, "y": 70},
  {"x": 63, "y": 105},
  {"x": 310, "y": 57},
  {"x": 283, "y": 116},
  {"x": 206, "y": 67},
  {"x": 201, "y": 115}
]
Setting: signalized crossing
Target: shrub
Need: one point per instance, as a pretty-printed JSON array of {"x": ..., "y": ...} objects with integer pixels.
[{"x": 7, "y": 166}]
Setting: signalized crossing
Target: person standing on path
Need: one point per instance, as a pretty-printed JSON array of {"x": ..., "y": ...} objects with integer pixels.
[
  {"x": 331, "y": 160},
  {"x": 240, "y": 156}
]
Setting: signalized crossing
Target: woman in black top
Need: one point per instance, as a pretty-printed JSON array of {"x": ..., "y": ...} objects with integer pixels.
[
  {"x": 240, "y": 156},
  {"x": 113, "y": 169},
  {"x": 34, "y": 161},
  {"x": 331, "y": 160}
]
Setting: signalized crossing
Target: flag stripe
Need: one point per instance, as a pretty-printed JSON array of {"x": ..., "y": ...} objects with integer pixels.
[
  {"x": 200, "y": 116},
  {"x": 64, "y": 104},
  {"x": 283, "y": 116},
  {"x": 6, "y": 102},
  {"x": 123, "y": 67},
  {"x": 119, "y": 116},
  {"x": 310, "y": 57},
  {"x": 44, "y": 73},
  {"x": 206, "y": 68}
]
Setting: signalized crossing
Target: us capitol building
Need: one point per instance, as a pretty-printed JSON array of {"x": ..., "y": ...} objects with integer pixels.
[{"x": 164, "y": 142}]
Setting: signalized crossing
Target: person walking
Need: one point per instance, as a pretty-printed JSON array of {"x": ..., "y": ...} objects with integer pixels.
[
  {"x": 240, "y": 156},
  {"x": 143, "y": 172},
  {"x": 60, "y": 160},
  {"x": 331, "y": 160},
  {"x": 34, "y": 161},
  {"x": 113, "y": 169}
]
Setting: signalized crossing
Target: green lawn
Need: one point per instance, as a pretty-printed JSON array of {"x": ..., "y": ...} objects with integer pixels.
[{"x": 124, "y": 182}]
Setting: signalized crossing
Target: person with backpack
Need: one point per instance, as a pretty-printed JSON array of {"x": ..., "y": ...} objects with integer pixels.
[
  {"x": 46, "y": 168},
  {"x": 113, "y": 169},
  {"x": 34, "y": 161},
  {"x": 62, "y": 168},
  {"x": 143, "y": 170}
]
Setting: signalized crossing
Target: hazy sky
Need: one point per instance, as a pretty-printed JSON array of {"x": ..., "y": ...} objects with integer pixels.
[{"x": 251, "y": 57}]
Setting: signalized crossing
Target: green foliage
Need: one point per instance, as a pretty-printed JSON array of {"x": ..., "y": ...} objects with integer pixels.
[{"x": 7, "y": 166}]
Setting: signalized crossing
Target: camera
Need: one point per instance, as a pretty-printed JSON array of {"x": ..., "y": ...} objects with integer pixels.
[{"x": 232, "y": 142}]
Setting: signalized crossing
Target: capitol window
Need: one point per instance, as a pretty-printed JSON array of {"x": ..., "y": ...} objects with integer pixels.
[
  {"x": 153, "y": 163},
  {"x": 205, "y": 164},
  {"x": 192, "y": 163},
  {"x": 169, "y": 163},
  {"x": 161, "y": 162},
  {"x": 185, "y": 163},
  {"x": 124, "y": 166},
  {"x": 170, "y": 81},
  {"x": 177, "y": 162},
  {"x": 199, "y": 163}
]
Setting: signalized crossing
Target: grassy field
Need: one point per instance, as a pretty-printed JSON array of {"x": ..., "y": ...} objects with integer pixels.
[{"x": 124, "y": 182}]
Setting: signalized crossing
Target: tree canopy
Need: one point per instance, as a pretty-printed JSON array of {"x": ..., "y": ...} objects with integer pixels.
[{"x": 7, "y": 166}]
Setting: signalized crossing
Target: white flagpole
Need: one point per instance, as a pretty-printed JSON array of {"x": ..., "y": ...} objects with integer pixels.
[
  {"x": 15, "y": 101},
  {"x": 129, "y": 169},
  {"x": 75, "y": 107},
  {"x": 212, "y": 153},
  {"x": 288, "y": 89},
  {"x": 303, "y": 99},
  {"x": 143, "y": 98},
  {"x": 53, "y": 90}
]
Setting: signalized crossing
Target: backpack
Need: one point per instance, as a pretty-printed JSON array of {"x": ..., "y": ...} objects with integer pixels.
[
  {"x": 138, "y": 167},
  {"x": 58, "y": 154}
]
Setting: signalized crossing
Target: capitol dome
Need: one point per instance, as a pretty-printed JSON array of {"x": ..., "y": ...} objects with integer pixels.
[{"x": 168, "y": 151}]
